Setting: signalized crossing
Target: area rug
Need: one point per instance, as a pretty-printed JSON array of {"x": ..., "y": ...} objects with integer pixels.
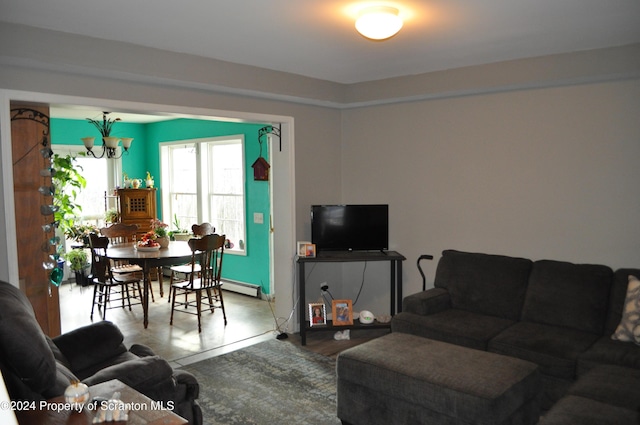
[{"x": 273, "y": 382}]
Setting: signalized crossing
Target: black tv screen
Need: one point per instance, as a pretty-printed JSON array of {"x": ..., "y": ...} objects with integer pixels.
[{"x": 350, "y": 227}]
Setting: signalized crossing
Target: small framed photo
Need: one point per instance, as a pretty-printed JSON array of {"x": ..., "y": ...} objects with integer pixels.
[
  {"x": 317, "y": 314},
  {"x": 302, "y": 248},
  {"x": 342, "y": 312},
  {"x": 310, "y": 250}
]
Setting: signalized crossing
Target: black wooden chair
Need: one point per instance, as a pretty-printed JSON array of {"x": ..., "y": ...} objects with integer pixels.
[
  {"x": 206, "y": 253},
  {"x": 110, "y": 287}
]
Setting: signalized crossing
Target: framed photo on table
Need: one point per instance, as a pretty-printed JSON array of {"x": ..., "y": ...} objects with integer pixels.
[
  {"x": 302, "y": 248},
  {"x": 317, "y": 314},
  {"x": 310, "y": 249},
  {"x": 342, "y": 312}
]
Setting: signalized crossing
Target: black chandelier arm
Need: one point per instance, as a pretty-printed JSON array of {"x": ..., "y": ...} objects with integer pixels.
[{"x": 110, "y": 153}]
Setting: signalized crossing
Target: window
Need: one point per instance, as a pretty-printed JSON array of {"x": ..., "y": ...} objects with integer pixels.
[
  {"x": 92, "y": 197},
  {"x": 210, "y": 189}
]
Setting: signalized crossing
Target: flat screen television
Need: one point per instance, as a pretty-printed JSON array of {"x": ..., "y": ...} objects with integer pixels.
[{"x": 350, "y": 227}]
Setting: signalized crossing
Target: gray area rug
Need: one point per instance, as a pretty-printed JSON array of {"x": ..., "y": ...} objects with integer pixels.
[{"x": 273, "y": 382}]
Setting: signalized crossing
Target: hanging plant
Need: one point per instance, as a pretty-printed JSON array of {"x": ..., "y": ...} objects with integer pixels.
[{"x": 68, "y": 182}]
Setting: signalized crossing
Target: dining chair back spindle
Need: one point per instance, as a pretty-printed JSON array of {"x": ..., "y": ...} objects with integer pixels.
[
  {"x": 109, "y": 287},
  {"x": 181, "y": 272},
  {"x": 206, "y": 252}
]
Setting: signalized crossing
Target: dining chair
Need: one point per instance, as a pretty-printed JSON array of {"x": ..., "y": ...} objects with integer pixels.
[
  {"x": 206, "y": 252},
  {"x": 110, "y": 287},
  {"x": 183, "y": 270},
  {"x": 119, "y": 233}
]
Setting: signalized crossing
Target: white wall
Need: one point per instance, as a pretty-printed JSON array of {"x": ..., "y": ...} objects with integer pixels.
[
  {"x": 544, "y": 173},
  {"x": 534, "y": 157}
]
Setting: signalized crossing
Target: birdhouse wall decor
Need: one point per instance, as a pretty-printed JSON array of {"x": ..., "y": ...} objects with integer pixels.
[{"x": 261, "y": 169}]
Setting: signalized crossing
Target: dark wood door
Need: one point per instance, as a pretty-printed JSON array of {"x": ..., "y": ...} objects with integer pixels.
[{"x": 29, "y": 127}]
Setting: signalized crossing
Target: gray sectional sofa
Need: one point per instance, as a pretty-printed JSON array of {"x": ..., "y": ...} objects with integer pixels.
[{"x": 555, "y": 314}]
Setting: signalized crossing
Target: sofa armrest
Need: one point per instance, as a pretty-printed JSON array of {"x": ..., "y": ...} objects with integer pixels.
[
  {"x": 140, "y": 374},
  {"x": 188, "y": 387},
  {"x": 427, "y": 302},
  {"x": 90, "y": 345}
]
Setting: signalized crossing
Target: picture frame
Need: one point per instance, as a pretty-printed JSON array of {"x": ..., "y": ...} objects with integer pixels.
[
  {"x": 302, "y": 248},
  {"x": 317, "y": 314},
  {"x": 310, "y": 250},
  {"x": 342, "y": 312}
]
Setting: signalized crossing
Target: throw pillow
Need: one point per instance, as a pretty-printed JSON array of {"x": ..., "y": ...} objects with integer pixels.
[{"x": 629, "y": 327}]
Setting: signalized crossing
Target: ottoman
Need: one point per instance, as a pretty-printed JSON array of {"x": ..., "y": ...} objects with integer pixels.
[{"x": 406, "y": 379}]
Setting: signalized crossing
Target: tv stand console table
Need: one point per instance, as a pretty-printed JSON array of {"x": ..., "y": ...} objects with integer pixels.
[{"x": 395, "y": 260}]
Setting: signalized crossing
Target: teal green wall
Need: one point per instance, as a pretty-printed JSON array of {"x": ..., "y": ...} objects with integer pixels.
[{"x": 145, "y": 156}]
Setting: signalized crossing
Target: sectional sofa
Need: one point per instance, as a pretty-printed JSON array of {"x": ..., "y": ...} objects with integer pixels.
[{"x": 558, "y": 315}]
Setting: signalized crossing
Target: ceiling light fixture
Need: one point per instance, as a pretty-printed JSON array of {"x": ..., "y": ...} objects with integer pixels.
[
  {"x": 109, "y": 143},
  {"x": 379, "y": 22}
]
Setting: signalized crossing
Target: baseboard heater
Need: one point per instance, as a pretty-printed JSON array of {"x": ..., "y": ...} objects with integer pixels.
[
  {"x": 241, "y": 288},
  {"x": 230, "y": 285}
]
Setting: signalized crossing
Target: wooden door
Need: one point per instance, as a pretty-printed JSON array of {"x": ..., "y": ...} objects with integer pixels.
[{"x": 30, "y": 134}]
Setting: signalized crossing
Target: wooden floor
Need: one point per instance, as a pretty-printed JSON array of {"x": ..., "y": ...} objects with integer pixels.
[{"x": 250, "y": 321}]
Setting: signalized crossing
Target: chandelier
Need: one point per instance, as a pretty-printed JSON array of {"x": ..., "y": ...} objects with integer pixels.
[{"x": 109, "y": 143}]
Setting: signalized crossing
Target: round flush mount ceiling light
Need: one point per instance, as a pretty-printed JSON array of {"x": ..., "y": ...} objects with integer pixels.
[{"x": 379, "y": 22}]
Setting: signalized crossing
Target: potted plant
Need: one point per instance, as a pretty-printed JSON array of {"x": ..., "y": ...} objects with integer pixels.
[
  {"x": 78, "y": 262},
  {"x": 80, "y": 233},
  {"x": 179, "y": 234},
  {"x": 68, "y": 182},
  {"x": 111, "y": 216}
]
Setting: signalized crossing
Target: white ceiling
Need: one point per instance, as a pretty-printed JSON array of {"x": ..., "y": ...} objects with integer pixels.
[{"x": 316, "y": 38}]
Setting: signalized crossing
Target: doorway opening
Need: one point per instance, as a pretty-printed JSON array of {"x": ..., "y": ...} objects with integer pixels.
[{"x": 281, "y": 221}]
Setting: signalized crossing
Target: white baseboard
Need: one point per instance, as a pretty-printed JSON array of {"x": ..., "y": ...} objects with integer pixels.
[{"x": 241, "y": 288}]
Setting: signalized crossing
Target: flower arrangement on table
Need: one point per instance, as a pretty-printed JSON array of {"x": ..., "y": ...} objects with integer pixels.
[
  {"x": 150, "y": 239},
  {"x": 159, "y": 228}
]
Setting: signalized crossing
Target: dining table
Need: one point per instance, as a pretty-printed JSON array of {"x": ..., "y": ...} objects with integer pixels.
[{"x": 178, "y": 252}]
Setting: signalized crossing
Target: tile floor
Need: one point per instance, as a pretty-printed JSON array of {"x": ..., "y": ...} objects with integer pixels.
[{"x": 250, "y": 320}]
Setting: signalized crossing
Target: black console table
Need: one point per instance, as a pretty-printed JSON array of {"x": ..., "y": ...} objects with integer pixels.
[{"x": 394, "y": 258}]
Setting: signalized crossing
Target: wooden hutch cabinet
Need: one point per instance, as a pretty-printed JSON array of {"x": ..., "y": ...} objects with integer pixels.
[{"x": 138, "y": 206}]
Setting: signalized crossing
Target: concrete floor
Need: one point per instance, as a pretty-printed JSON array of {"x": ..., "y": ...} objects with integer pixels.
[{"x": 249, "y": 321}]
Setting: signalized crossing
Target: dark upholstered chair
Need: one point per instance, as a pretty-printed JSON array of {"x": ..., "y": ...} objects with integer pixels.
[{"x": 36, "y": 367}]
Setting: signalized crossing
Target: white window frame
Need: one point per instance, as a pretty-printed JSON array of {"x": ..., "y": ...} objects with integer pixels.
[{"x": 204, "y": 182}]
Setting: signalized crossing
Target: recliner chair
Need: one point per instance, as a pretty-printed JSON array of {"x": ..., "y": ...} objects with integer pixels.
[{"x": 36, "y": 367}]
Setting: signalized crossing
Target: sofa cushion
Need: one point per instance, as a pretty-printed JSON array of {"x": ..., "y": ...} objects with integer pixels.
[
  {"x": 484, "y": 283},
  {"x": 24, "y": 349},
  {"x": 615, "y": 385},
  {"x": 459, "y": 327},
  {"x": 629, "y": 328},
  {"x": 555, "y": 349},
  {"x": 570, "y": 295},
  {"x": 91, "y": 370},
  {"x": 608, "y": 351},
  {"x": 574, "y": 410},
  {"x": 617, "y": 298},
  {"x": 138, "y": 373}
]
